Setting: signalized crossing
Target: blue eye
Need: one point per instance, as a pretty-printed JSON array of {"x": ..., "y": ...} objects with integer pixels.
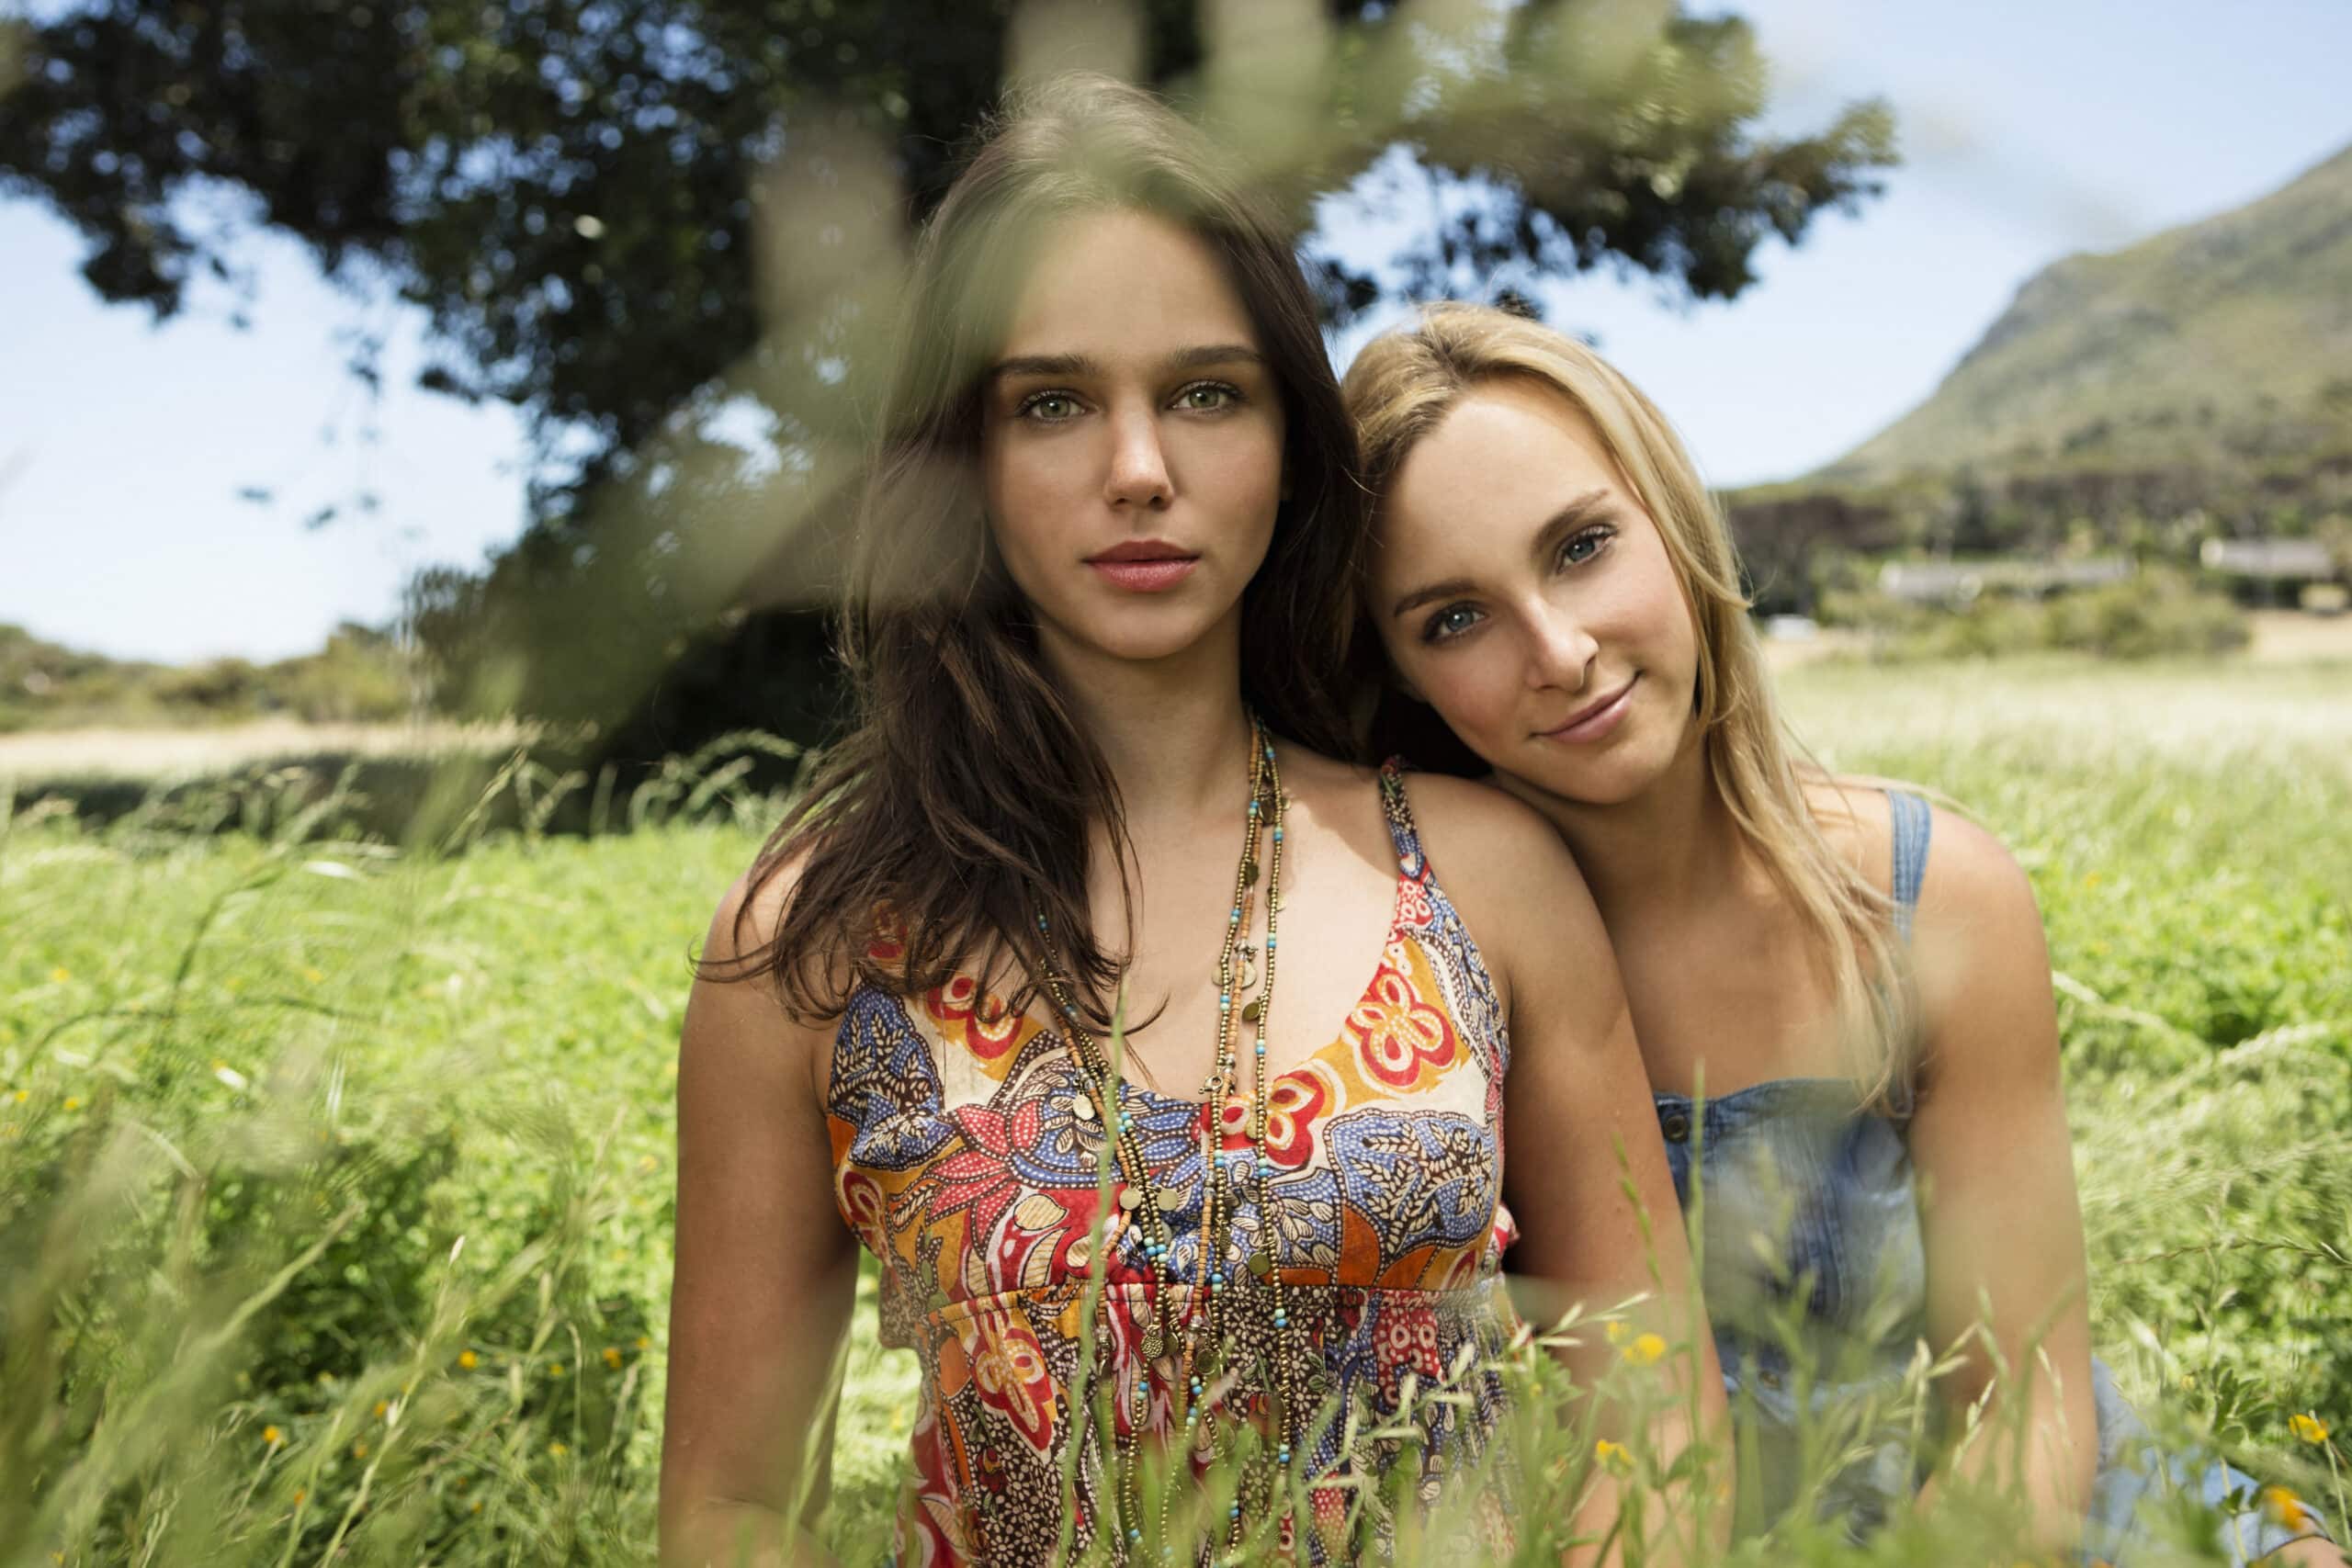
[
  {"x": 1450, "y": 622},
  {"x": 1582, "y": 546}
]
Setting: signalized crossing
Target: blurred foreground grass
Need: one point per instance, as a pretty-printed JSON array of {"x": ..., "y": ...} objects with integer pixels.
[{"x": 335, "y": 1182}]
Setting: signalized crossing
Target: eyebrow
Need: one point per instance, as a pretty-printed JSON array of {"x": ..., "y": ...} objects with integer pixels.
[
  {"x": 1575, "y": 513},
  {"x": 1084, "y": 364}
]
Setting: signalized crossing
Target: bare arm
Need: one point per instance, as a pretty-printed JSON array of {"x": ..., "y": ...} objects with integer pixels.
[
  {"x": 2004, "y": 1230},
  {"x": 1586, "y": 1175},
  {"x": 766, "y": 1274}
]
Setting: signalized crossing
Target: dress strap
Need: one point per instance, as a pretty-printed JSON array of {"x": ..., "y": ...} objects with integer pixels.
[
  {"x": 1913, "y": 824},
  {"x": 1398, "y": 808}
]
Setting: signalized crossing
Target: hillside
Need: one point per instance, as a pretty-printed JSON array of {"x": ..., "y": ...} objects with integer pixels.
[
  {"x": 360, "y": 675},
  {"x": 2224, "y": 345}
]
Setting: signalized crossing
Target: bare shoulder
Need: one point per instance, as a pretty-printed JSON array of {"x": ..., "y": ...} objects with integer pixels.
[
  {"x": 737, "y": 1026},
  {"x": 1508, "y": 872},
  {"x": 750, "y": 912},
  {"x": 1971, "y": 880},
  {"x": 1468, "y": 827}
]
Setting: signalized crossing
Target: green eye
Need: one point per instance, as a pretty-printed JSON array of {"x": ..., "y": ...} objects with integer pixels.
[
  {"x": 1209, "y": 397},
  {"x": 1051, "y": 407}
]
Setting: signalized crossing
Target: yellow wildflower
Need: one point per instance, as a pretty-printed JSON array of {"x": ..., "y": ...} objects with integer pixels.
[
  {"x": 301, "y": 1492},
  {"x": 556, "y": 1369},
  {"x": 313, "y": 975},
  {"x": 476, "y": 1507},
  {"x": 557, "y": 1450},
  {"x": 60, "y": 974},
  {"x": 381, "y": 1406},
  {"x": 1645, "y": 1351},
  {"x": 272, "y": 1436},
  {"x": 613, "y": 1357},
  {"x": 467, "y": 1359},
  {"x": 642, "y": 1341},
  {"x": 1620, "y": 1332},
  {"x": 360, "y": 1450},
  {"x": 73, "y": 1102},
  {"x": 2311, "y": 1429},
  {"x": 2285, "y": 1507},
  {"x": 1611, "y": 1456},
  {"x": 23, "y": 1095}
]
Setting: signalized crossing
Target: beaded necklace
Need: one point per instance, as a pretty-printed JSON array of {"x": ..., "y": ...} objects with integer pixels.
[{"x": 1151, "y": 1206}]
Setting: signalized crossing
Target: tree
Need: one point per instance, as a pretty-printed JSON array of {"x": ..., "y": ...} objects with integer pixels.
[{"x": 637, "y": 220}]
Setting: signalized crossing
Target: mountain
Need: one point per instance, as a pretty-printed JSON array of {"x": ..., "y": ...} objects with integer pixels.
[{"x": 2224, "y": 345}]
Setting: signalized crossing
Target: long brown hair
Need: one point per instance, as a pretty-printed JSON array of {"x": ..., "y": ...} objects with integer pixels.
[
  {"x": 957, "y": 809},
  {"x": 1400, "y": 388}
]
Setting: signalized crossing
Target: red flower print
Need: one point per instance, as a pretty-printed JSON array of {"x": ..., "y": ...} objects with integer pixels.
[
  {"x": 888, "y": 939},
  {"x": 1407, "y": 1342},
  {"x": 866, "y": 1211},
  {"x": 1292, "y": 1101},
  {"x": 978, "y": 1020},
  {"x": 1009, "y": 1372},
  {"x": 1395, "y": 1031},
  {"x": 1292, "y": 1104},
  {"x": 979, "y": 1176}
]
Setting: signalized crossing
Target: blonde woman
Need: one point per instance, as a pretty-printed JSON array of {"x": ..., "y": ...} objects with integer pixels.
[{"x": 1872, "y": 1024}]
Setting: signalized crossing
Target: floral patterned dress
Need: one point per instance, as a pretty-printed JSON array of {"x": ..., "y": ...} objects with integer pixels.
[{"x": 964, "y": 1164}]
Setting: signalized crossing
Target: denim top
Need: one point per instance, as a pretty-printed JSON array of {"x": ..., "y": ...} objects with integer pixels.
[{"x": 1813, "y": 1265}]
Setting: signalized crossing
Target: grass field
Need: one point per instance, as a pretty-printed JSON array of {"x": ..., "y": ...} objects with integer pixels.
[{"x": 335, "y": 1184}]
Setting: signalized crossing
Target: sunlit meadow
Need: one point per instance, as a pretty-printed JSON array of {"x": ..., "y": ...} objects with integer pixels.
[{"x": 335, "y": 1178}]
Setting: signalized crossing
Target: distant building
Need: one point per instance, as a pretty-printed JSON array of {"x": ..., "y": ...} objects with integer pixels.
[
  {"x": 1957, "y": 582},
  {"x": 2278, "y": 571},
  {"x": 2269, "y": 560}
]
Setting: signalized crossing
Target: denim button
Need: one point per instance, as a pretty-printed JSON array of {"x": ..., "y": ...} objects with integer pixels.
[{"x": 1676, "y": 1126}]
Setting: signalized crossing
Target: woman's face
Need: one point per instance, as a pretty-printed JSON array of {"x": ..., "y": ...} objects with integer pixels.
[
  {"x": 1521, "y": 591},
  {"x": 1131, "y": 440}
]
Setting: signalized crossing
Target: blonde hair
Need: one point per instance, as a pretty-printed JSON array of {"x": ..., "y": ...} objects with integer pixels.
[{"x": 1404, "y": 384}]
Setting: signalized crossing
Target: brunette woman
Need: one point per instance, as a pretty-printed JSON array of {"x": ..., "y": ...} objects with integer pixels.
[
  {"x": 1097, "y": 628},
  {"x": 1883, "y": 1135}
]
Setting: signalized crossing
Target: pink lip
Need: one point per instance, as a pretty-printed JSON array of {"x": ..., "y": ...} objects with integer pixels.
[
  {"x": 1595, "y": 722},
  {"x": 1145, "y": 566}
]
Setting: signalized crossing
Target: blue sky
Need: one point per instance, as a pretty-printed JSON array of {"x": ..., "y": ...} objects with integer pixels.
[{"x": 2029, "y": 132}]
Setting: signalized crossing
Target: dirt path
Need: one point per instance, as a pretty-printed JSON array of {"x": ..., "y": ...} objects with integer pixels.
[{"x": 174, "y": 753}]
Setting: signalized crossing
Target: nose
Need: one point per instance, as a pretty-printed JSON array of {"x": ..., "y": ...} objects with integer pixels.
[
  {"x": 1559, "y": 651},
  {"x": 1139, "y": 475}
]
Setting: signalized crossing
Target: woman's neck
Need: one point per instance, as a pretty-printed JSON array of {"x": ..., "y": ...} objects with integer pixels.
[
  {"x": 1670, "y": 845},
  {"x": 1173, "y": 731}
]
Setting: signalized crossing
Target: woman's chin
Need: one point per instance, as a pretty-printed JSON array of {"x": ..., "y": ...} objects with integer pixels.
[
  {"x": 1603, "y": 781},
  {"x": 1136, "y": 633}
]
